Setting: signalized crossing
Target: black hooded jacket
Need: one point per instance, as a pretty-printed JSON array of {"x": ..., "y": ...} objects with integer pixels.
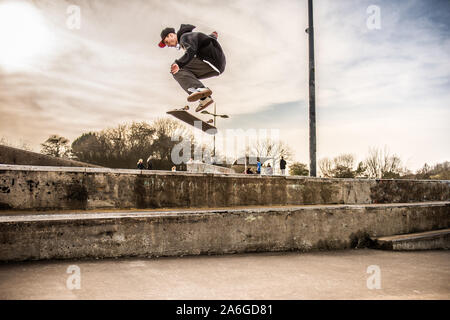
[{"x": 199, "y": 45}]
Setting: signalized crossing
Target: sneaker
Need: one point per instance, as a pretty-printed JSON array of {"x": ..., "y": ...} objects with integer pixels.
[
  {"x": 204, "y": 103},
  {"x": 199, "y": 94}
]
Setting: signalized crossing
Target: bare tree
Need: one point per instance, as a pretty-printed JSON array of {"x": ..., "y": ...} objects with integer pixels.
[
  {"x": 117, "y": 138},
  {"x": 440, "y": 171},
  {"x": 380, "y": 164},
  {"x": 167, "y": 134},
  {"x": 140, "y": 138},
  {"x": 326, "y": 167},
  {"x": 273, "y": 149},
  {"x": 20, "y": 145},
  {"x": 344, "y": 160}
]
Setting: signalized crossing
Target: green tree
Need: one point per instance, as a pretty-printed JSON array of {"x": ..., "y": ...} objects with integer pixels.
[
  {"x": 56, "y": 146},
  {"x": 122, "y": 146},
  {"x": 440, "y": 171},
  {"x": 91, "y": 148},
  {"x": 298, "y": 169},
  {"x": 341, "y": 166}
]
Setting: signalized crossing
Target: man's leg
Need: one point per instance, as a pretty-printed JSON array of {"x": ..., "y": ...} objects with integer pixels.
[{"x": 188, "y": 76}]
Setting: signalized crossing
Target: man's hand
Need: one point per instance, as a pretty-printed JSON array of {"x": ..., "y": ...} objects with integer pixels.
[{"x": 174, "y": 68}]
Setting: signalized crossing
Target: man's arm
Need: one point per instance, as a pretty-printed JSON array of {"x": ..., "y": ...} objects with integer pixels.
[{"x": 190, "y": 43}]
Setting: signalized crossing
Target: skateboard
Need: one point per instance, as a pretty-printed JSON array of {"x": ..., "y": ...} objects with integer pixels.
[{"x": 183, "y": 115}]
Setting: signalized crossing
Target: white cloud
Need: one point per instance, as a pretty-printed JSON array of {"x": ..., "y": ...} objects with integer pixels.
[{"x": 374, "y": 87}]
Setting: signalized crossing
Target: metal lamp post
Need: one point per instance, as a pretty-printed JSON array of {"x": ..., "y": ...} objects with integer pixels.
[
  {"x": 214, "y": 123},
  {"x": 312, "y": 95}
]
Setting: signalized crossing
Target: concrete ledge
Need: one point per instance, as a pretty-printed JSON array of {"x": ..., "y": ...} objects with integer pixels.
[
  {"x": 48, "y": 188},
  {"x": 84, "y": 235},
  {"x": 207, "y": 168},
  {"x": 437, "y": 239},
  {"x": 35, "y": 168}
]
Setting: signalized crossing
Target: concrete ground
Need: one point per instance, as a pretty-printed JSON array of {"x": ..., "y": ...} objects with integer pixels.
[{"x": 343, "y": 274}]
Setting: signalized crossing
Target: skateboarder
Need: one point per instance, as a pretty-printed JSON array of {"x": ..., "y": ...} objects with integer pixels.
[{"x": 203, "y": 59}]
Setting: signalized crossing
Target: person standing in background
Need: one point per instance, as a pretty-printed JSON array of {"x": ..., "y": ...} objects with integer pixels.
[
  {"x": 140, "y": 164},
  {"x": 283, "y": 166},
  {"x": 149, "y": 163}
]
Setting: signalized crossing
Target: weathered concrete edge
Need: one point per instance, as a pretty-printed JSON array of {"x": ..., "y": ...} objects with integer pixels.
[
  {"x": 415, "y": 236},
  {"x": 214, "y": 233},
  {"x": 54, "y": 190},
  {"x": 435, "y": 243},
  {"x": 82, "y": 215},
  {"x": 166, "y": 172},
  {"x": 440, "y": 240}
]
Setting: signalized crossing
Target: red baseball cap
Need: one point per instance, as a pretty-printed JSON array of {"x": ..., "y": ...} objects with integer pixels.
[{"x": 164, "y": 34}]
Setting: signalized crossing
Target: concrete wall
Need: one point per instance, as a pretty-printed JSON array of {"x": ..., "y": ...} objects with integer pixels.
[
  {"x": 149, "y": 234},
  {"x": 10, "y": 155},
  {"x": 45, "y": 188}
]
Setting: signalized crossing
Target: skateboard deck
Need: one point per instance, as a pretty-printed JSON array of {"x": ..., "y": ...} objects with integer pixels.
[{"x": 192, "y": 120}]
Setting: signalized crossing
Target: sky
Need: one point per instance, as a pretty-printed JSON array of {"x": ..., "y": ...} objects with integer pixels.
[{"x": 382, "y": 75}]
